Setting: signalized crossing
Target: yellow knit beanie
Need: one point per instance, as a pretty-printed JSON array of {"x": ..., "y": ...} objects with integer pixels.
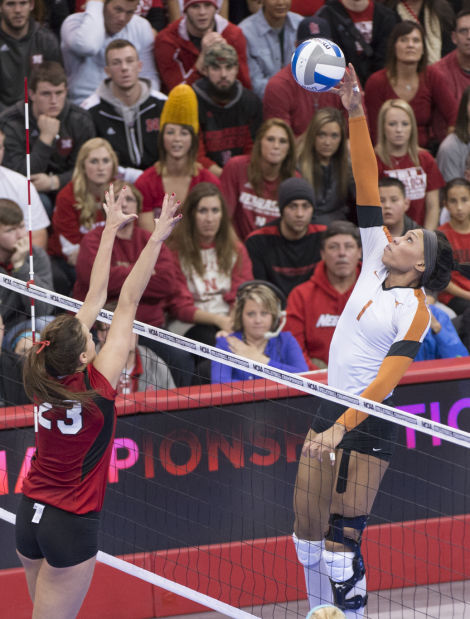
[{"x": 181, "y": 108}]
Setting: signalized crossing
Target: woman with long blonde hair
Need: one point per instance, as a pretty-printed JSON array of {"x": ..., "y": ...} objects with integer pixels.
[
  {"x": 324, "y": 163},
  {"x": 400, "y": 156},
  {"x": 250, "y": 182},
  {"x": 78, "y": 208}
]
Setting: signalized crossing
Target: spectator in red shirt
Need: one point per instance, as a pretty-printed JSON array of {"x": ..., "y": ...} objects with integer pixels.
[
  {"x": 454, "y": 67},
  {"x": 180, "y": 47},
  {"x": 250, "y": 182},
  {"x": 406, "y": 76},
  {"x": 306, "y": 7},
  {"x": 284, "y": 98},
  {"x": 314, "y": 307},
  {"x": 361, "y": 28},
  {"x": 399, "y": 155},
  {"x": 176, "y": 170},
  {"x": 456, "y": 198},
  {"x": 79, "y": 208}
]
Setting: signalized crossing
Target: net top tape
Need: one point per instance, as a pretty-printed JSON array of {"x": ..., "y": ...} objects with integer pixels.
[{"x": 306, "y": 385}]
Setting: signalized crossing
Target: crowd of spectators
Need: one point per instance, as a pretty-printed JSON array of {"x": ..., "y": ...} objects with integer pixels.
[{"x": 196, "y": 98}]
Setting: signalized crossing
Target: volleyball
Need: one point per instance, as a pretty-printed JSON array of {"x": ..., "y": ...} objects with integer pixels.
[{"x": 318, "y": 64}]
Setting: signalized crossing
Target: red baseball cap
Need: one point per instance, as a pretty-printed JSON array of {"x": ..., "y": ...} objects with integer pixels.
[{"x": 190, "y": 2}]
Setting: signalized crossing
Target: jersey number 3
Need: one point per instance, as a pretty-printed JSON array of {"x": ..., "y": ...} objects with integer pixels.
[{"x": 71, "y": 425}]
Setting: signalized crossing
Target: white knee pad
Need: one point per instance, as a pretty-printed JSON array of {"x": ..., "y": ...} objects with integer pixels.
[
  {"x": 309, "y": 553},
  {"x": 317, "y": 581}
]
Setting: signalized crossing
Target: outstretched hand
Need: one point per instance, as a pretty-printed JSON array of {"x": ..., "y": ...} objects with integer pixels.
[
  {"x": 115, "y": 218},
  {"x": 349, "y": 91},
  {"x": 167, "y": 220}
]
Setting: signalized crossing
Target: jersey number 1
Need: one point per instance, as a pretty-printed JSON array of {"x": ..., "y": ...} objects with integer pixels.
[{"x": 72, "y": 425}]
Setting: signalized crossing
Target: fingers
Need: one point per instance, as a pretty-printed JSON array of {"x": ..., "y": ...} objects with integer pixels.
[
  {"x": 315, "y": 449},
  {"x": 167, "y": 220},
  {"x": 352, "y": 71}
]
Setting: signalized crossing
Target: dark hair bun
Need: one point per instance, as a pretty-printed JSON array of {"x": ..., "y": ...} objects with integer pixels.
[{"x": 442, "y": 273}]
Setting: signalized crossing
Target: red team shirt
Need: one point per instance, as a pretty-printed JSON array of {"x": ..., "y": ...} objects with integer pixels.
[
  {"x": 69, "y": 469},
  {"x": 461, "y": 250},
  {"x": 150, "y": 185},
  {"x": 247, "y": 209},
  {"x": 418, "y": 180}
]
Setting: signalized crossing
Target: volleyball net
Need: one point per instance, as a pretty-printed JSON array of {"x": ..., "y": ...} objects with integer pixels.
[{"x": 198, "y": 508}]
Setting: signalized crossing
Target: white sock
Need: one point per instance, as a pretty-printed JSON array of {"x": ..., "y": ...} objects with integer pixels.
[
  {"x": 339, "y": 567},
  {"x": 316, "y": 579}
]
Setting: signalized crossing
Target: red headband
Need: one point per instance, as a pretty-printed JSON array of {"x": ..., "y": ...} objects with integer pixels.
[{"x": 42, "y": 345}]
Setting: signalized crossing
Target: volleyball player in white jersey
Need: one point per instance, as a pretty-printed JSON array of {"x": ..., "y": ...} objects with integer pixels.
[{"x": 347, "y": 452}]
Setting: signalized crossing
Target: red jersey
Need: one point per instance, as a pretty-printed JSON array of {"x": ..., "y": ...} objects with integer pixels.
[
  {"x": 433, "y": 94},
  {"x": 150, "y": 185},
  {"x": 247, "y": 209},
  {"x": 461, "y": 249},
  {"x": 69, "y": 469},
  {"x": 306, "y": 7},
  {"x": 313, "y": 311},
  {"x": 418, "y": 180}
]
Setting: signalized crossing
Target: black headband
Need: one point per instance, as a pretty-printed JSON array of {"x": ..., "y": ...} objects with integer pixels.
[{"x": 430, "y": 254}]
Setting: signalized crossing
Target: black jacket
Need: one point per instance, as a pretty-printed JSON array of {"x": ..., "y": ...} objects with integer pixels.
[
  {"x": 18, "y": 56},
  {"x": 76, "y": 127},
  {"x": 136, "y": 146},
  {"x": 227, "y": 130},
  {"x": 345, "y": 34}
]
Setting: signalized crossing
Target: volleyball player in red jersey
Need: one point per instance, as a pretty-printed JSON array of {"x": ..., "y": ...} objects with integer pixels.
[{"x": 58, "y": 517}]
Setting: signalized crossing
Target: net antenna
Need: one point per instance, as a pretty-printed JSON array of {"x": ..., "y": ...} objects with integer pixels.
[{"x": 30, "y": 226}]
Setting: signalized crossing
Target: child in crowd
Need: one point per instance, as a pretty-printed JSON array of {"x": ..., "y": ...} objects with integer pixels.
[
  {"x": 394, "y": 206},
  {"x": 456, "y": 199}
]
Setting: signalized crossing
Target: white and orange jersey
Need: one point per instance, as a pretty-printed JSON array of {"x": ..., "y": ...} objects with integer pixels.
[
  {"x": 380, "y": 330},
  {"x": 376, "y": 322}
]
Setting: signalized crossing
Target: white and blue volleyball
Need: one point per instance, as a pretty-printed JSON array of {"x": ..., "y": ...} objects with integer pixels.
[{"x": 318, "y": 64}]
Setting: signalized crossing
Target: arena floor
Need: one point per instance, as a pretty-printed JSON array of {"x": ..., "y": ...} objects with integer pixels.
[{"x": 445, "y": 601}]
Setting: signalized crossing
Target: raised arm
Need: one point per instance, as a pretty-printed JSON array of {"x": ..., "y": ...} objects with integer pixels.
[
  {"x": 98, "y": 289},
  {"x": 84, "y": 33},
  {"x": 374, "y": 236},
  {"x": 112, "y": 357},
  {"x": 363, "y": 160}
]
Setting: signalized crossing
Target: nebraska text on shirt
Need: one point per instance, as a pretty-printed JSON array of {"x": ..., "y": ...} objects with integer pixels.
[{"x": 251, "y": 202}]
